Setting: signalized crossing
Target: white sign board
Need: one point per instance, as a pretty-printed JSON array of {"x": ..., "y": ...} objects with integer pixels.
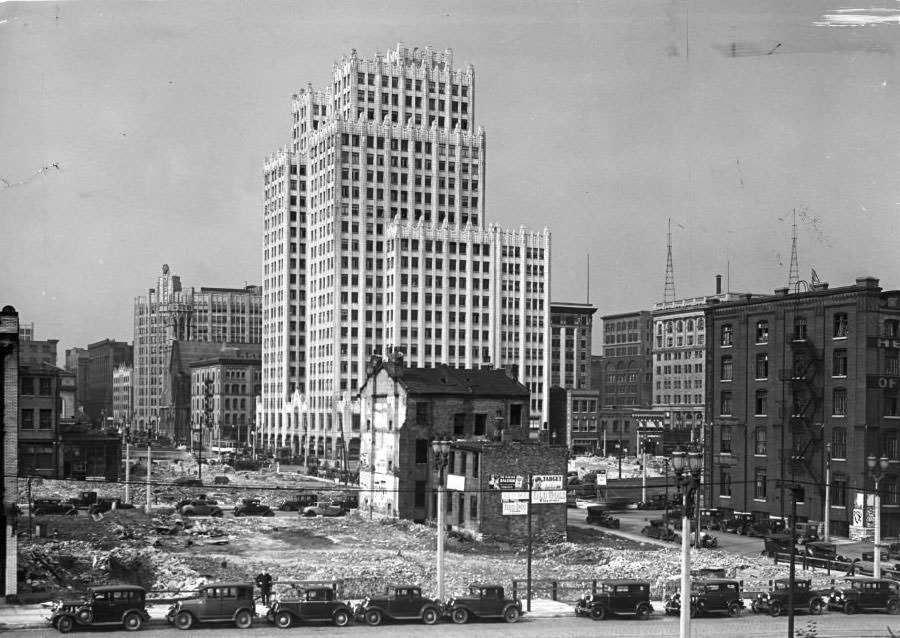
[
  {"x": 515, "y": 508},
  {"x": 456, "y": 482},
  {"x": 601, "y": 478},
  {"x": 549, "y": 496},
  {"x": 514, "y": 496},
  {"x": 547, "y": 482}
]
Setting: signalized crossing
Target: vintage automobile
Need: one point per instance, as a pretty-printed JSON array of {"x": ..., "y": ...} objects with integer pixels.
[
  {"x": 807, "y": 532},
  {"x": 739, "y": 523},
  {"x": 312, "y": 604},
  {"x": 216, "y": 602},
  {"x": 106, "y": 606},
  {"x": 824, "y": 551},
  {"x": 252, "y": 507},
  {"x": 616, "y": 597},
  {"x": 710, "y": 518},
  {"x": 658, "y": 528},
  {"x": 324, "y": 508},
  {"x": 401, "y": 602},
  {"x": 297, "y": 502},
  {"x": 863, "y": 593},
  {"x": 221, "y": 480},
  {"x": 776, "y": 601},
  {"x": 483, "y": 601},
  {"x": 84, "y": 499},
  {"x": 893, "y": 551},
  {"x": 201, "y": 507},
  {"x": 599, "y": 515},
  {"x": 766, "y": 527},
  {"x": 107, "y": 504},
  {"x": 42, "y": 506},
  {"x": 778, "y": 544},
  {"x": 653, "y": 502},
  {"x": 710, "y": 596},
  {"x": 188, "y": 481}
]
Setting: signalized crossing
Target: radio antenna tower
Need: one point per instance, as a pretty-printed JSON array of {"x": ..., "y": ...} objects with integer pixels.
[
  {"x": 794, "y": 274},
  {"x": 669, "y": 293}
]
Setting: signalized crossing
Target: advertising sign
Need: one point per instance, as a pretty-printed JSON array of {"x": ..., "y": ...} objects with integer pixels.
[
  {"x": 515, "y": 508},
  {"x": 548, "y": 496},
  {"x": 506, "y": 482},
  {"x": 456, "y": 482},
  {"x": 601, "y": 478},
  {"x": 514, "y": 496},
  {"x": 546, "y": 482}
]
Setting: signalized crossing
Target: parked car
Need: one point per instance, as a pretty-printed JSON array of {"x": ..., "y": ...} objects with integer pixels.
[
  {"x": 894, "y": 551},
  {"x": 653, "y": 502},
  {"x": 807, "y": 532},
  {"x": 739, "y": 523},
  {"x": 401, "y": 602},
  {"x": 778, "y": 544},
  {"x": 766, "y": 527},
  {"x": 483, "y": 601},
  {"x": 711, "y": 518},
  {"x": 707, "y": 540},
  {"x": 201, "y": 507},
  {"x": 84, "y": 499},
  {"x": 658, "y": 528},
  {"x": 863, "y": 593},
  {"x": 297, "y": 502},
  {"x": 323, "y": 508},
  {"x": 42, "y": 506},
  {"x": 216, "y": 602},
  {"x": 824, "y": 551},
  {"x": 599, "y": 515},
  {"x": 711, "y": 596},
  {"x": 110, "y": 605},
  {"x": 616, "y": 597},
  {"x": 221, "y": 480},
  {"x": 106, "y": 504},
  {"x": 776, "y": 601},
  {"x": 252, "y": 507},
  {"x": 312, "y": 604}
]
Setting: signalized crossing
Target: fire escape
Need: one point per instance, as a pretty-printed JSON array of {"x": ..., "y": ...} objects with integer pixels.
[{"x": 806, "y": 402}]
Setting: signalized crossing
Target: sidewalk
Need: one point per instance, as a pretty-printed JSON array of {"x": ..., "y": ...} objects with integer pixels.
[{"x": 32, "y": 616}]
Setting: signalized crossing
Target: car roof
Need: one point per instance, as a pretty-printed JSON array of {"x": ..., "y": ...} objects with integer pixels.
[
  {"x": 485, "y": 585},
  {"x": 715, "y": 581},
  {"x": 624, "y": 581},
  {"x": 105, "y": 588},
  {"x": 869, "y": 579},
  {"x": 229, "y": 583}
]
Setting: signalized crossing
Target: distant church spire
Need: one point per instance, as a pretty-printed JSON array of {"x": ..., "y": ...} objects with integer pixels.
[
  {"x": 794, "y": 274},
  {"x": 669, "y": 294}
]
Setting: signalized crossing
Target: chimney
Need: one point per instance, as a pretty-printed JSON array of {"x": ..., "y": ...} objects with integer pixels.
[{"x": 718, "y": 284}]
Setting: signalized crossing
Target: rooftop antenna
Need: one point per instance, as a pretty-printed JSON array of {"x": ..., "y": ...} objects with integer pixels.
[
  {"x": 794, "y": 274},
  {"x": 669, "y": 293}
]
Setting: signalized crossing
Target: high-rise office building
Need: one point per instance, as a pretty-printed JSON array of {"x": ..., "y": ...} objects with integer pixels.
[
  {"x": 375, "y": 242},
  {"x": 169, "y": 313}
]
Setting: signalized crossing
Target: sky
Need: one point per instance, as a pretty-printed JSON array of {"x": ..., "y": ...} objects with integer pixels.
[{"x": 133, "y": 134}]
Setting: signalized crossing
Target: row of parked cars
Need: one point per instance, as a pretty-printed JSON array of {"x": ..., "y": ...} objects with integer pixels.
[{"x": 234, "y": 602}]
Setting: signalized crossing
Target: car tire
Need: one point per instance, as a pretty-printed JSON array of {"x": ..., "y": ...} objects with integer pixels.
[
  {"x": 849, "y": 607},
  {"x": 65, "y": 624},
  {"x": 598, "y": 612},
  {"x": 511, "y": 614},
  {"x": 643, "y": 611},
  {"x": 132, "y": 621},
  {"x": 373, "y": 617},
  {"x": 893, "y": 607},
  {"x": 734, "y": 609},
  {"x": 460, "y": 616},
  {"x": 341, "y": 618},
  {"x": 243, "y": 619},
  {"x": 775, "y": 609},
  {"x": 430, "y": 615},
  {"x": 284, "y": 619},
  {"x": 183, "y": 620}
]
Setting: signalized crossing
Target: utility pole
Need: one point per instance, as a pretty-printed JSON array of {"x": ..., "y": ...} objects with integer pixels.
[
  {"x": 128, "y": 472},
  {"x": 149, "y": 472}
]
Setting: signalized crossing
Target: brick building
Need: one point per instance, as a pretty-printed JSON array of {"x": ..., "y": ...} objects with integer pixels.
[
  {"x": 9, "y": 433},
  {"x": 103, "y": 358},
  {"x": 790, "y": 375}
]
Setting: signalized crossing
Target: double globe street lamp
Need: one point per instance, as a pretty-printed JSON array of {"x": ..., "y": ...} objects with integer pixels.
[
  {"x": 877, "y": 468},
  {"x": 687, "y": 467}
]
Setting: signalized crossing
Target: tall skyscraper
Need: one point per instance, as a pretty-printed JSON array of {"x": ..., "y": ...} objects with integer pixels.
[
  {"x": 169, "y": 313},
  {"x": 375, "y": 242}
]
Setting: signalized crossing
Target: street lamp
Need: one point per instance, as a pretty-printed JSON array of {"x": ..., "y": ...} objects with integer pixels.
[
  {"x": 827, "y": 515},
  {"x": 441, "y": 451},
  {"x": 687, "y": 467},
  {"x": 877, "y": 468}
]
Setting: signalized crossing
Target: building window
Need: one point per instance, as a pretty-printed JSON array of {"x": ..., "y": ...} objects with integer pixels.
[
  {"x": 891, "y": 328},
  {"x": 840, "y": 325},
  {"x": 889, "y": 491},
  {"x": 27, "y": 385},
  {"x": 891, "y": 364},
  {"x": 839, "y": 363},
  {"x": 890, "y": 445},
  {"x": 480, "y": 424},
  {"x": 725, "y": 407},
  {"x": 800, "y": 332},
  {"x": 839, "y": 491},
  {"x": 727, "y": 369},
  {"x": 422, "y": 413},
  {"x": 473, "y": 507},
  {"x": 726, "y": 441},
  {"x": 45, "y": 387},
  {"x": 839, "y": 402},
  {"x": 422, "y": 450},
  {"x": 762, "y": 403},
  {"x": 459, "y": 424},
  {"x": 891, "y": 405},
  {"x": 419, "y": 498},
  {"x": 725, "y": 483},
  {"x": 760, "y": 447},
  {"x": 762, "y": 331},
  {"x": 46, "y": 419},
  {"x": 839, "y": 443},
  {"x": 759, "y": 485},
  {"x": 27, "y": 419},
  {"x": 762, "y": 365},
  {"x": 727, "y": 335}
]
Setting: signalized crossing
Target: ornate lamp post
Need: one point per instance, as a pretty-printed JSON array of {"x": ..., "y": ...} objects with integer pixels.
[
  {"x": 877, "y": 468},
  {"x": 687, "y": 467},
  {"x": 441, "y": 451}
]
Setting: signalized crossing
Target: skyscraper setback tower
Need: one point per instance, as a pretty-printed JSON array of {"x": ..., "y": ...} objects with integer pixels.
[{"x": 376, "y": 244}]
